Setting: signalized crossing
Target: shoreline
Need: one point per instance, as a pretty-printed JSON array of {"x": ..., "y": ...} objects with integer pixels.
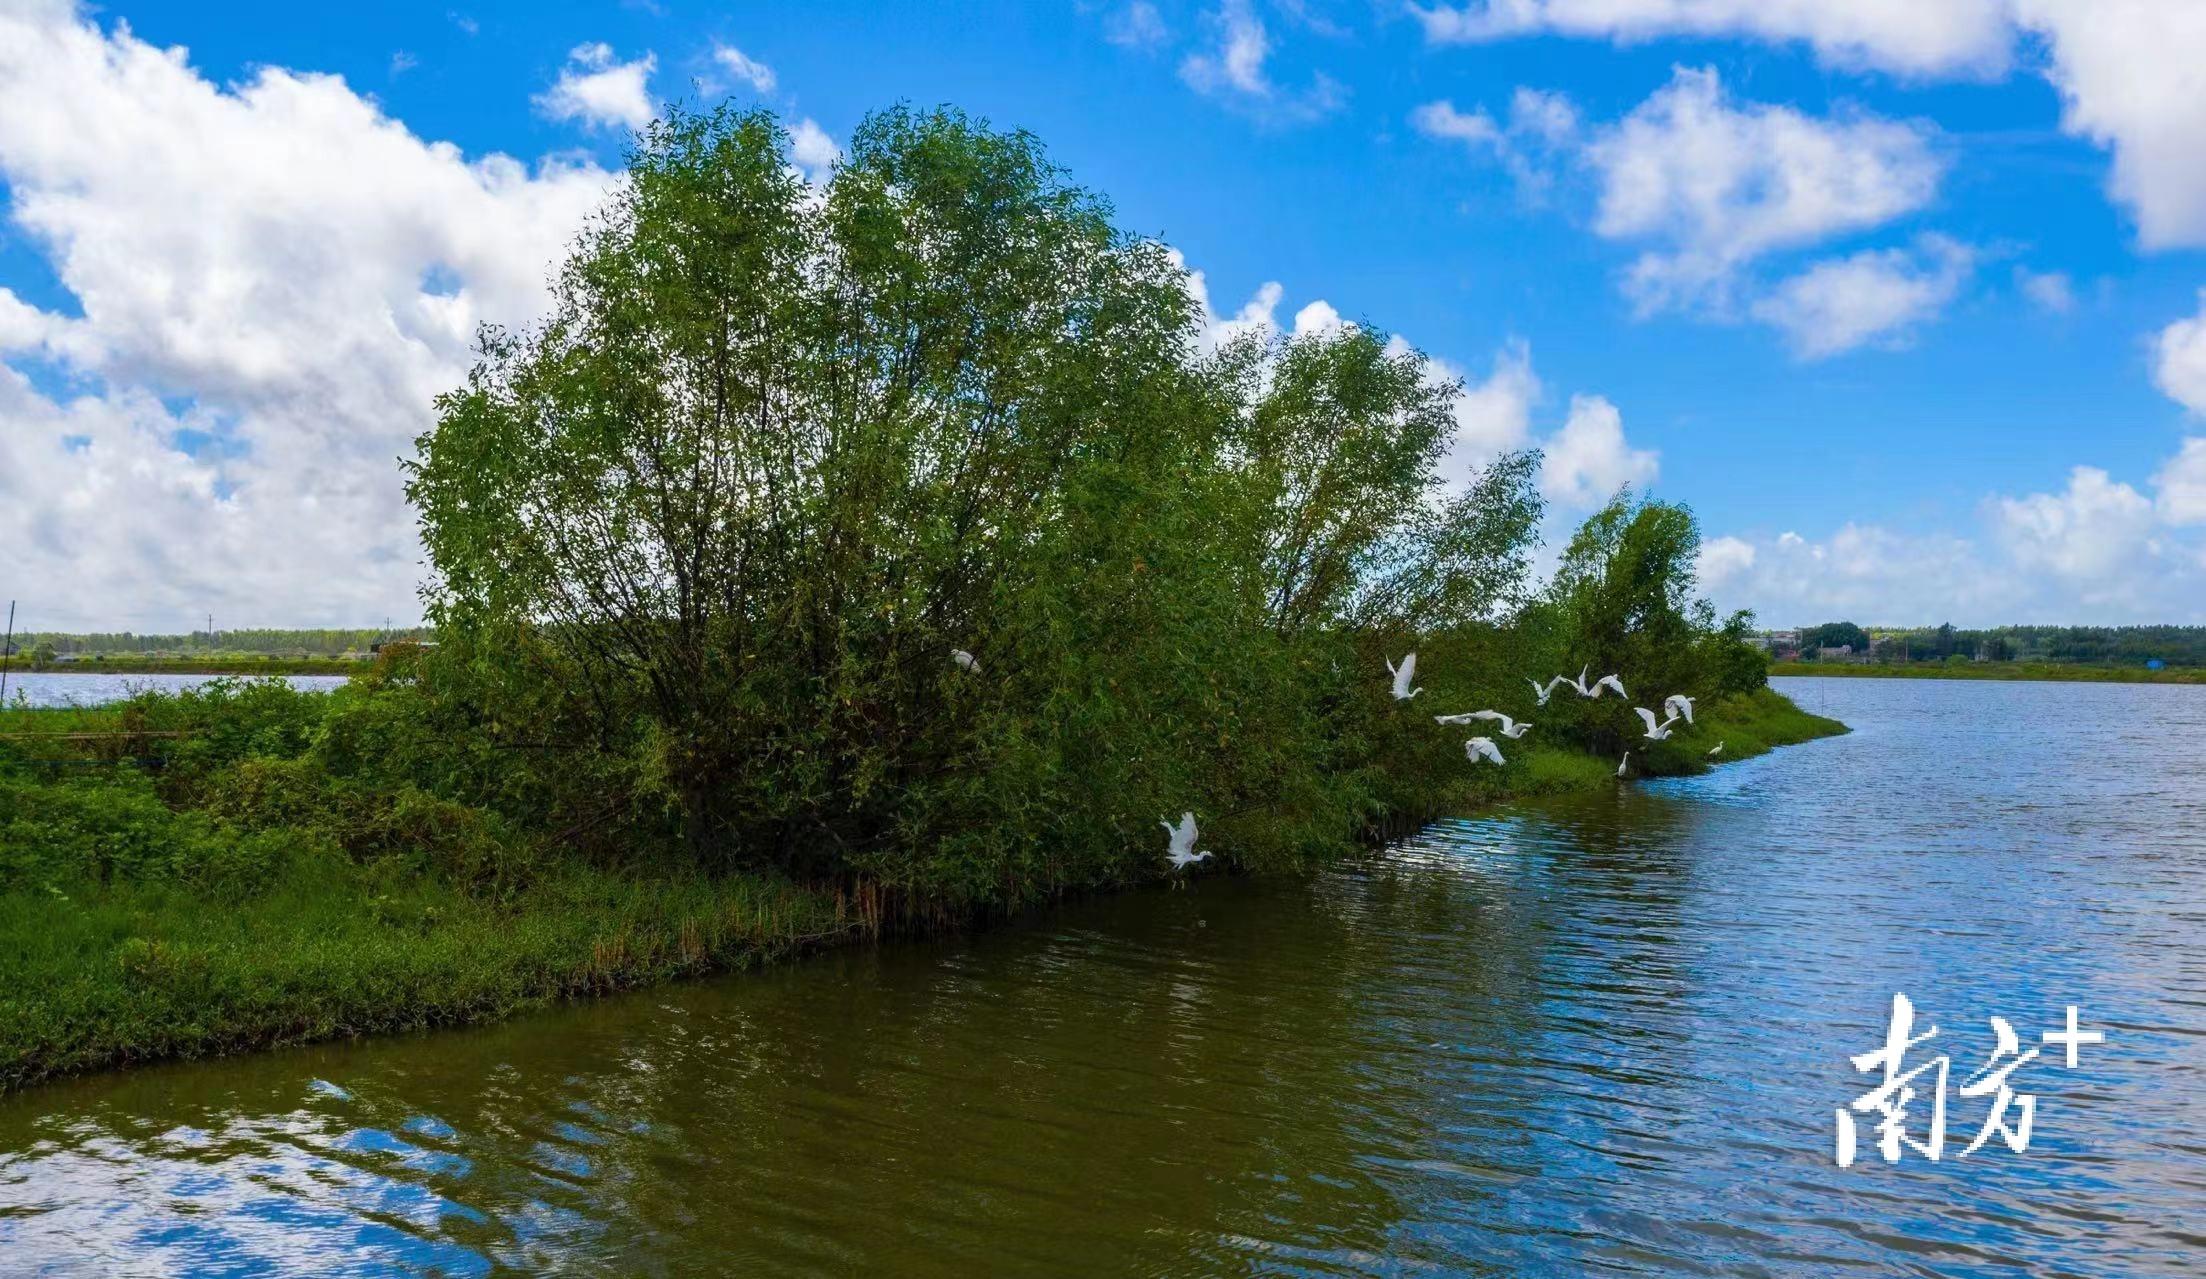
[
  {"x": 240, "y": 666},
  {"x": 2021, "y": 672},
  {"x": 132, "y": 973}
]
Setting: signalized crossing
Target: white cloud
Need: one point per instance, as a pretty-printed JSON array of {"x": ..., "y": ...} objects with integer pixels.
[
  {"x": 2129, "y": 73},
  {"x": 1494, "y": 416},
  {"x": 1877, "y": 295},
  {"x": 600, "y": 91},
  {"x": 1915, "y": 37},
  {"x": 1722, "y": 560},
  {"x": 2127, "y": 70},
  {"x": 294, "y": 271},
  {"x": 1585, "y": 462},
  {"x": 1540, "y": 124},
  {"x": 1715, "y": 185},
  {"x": 2182, "y": 484},
  {"x": 1318, "y": 317},
  {"x": 2051, "y": 290},
  {"x": 744, "y": 67},
  {"x": 2098, "y": 550},
  {"x": 1234, "y": 73},
  {"x": 815, "y": 153},
  {"x": 1136, "y": 26},
  {"x": 2179, "y": 366},
  {"x": 2092, "y": 531}
]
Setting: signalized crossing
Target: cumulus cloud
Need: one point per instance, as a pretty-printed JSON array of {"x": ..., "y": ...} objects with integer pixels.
[
  {"x": 2182, "y": 484},
  {"x": 270, "y": 283},
  {"x": 745, "y": 68},
  {"x": 1586, "y": 461},
  {"x": 1712, "y": 185},
  {"x": 1722, "y": 560},
  {"x": 1877, "y": 295},
  {"x": 2097, "y": 550},
  {"x": 2179, "y": 366},
  {"x": 1493, "y": 416},
  {"x": 814, "y": 151},
  {"x": 2128, "y": 72},
  {"x": 600, "y": 91},
  {"x": 2091, "y": 531},
  {"x": 1907, "y": 36},
  {"x": 1233, "y": 72}
]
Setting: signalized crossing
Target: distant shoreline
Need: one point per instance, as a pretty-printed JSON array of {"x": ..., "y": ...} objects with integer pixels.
[
  {"x": 241, "y": 666},
  {"x": 2043, "y": 672}
]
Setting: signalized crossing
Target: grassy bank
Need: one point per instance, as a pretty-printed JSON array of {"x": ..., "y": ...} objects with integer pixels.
[
  {"x": 132, "y": 930},
  {"x": 1995, "y": 670}
]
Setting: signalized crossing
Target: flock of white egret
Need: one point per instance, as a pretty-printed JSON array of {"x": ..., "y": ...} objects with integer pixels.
[{"x": 1180, "y": 847}]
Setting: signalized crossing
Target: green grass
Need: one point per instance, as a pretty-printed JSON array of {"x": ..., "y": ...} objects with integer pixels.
[
  {"x": 104, "y": 975},
  {"x": 2059, "y": 671},
  {"x": 130, "y": 933}
]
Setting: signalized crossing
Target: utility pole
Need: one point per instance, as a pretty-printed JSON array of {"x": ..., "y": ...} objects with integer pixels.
[{"x": 7, "y": 654}]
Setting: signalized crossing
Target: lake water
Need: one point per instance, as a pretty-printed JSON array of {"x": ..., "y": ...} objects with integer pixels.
[
  {"x": 69, "y": 688},
  {"x": 1600, "y": 1036}
]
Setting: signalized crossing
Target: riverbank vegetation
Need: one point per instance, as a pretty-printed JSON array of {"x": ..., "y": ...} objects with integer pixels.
[{"x": 707, "y": 544}]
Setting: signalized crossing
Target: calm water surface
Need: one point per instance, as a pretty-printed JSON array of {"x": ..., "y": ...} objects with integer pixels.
[
  {"x": 69, "y": 688},
  {"x": 1604, "y": 1036}
]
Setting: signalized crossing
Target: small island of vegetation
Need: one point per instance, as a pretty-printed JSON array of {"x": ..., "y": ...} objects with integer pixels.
[{"x": 704, "y": 544}]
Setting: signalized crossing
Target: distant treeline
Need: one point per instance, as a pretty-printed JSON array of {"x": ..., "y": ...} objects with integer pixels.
[
  {"x": 324, "y": 642},
  {"x": 2094, "y": 645}
]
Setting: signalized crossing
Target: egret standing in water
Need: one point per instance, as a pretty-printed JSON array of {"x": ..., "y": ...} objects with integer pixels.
[
  {"x": 1620, "y": 763},
  {"x": 965, "y": 660},
  {"x": 1181, "y": 851},
  {"x": 1655, "y": 732},
  {"x": 1403, "y": 674},
  {"x": 1479, "y": 748}
]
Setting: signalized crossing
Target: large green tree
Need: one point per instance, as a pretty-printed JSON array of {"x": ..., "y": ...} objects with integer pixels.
[{"x": 780, "y": 450}]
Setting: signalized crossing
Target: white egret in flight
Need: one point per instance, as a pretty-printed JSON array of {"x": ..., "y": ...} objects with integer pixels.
[
  {"x": 1181, "y": 852},
  {"x": 966, "y": 660},
  {"x": 1607, "y": 681},
  {"x": 1403, "y": 674},
  {"x": 1482, "y": 748},
  {"x": 1655, "y": 732},
  {"x": 1677, "y": 704},
  {"x": 1510, "y": 728}
]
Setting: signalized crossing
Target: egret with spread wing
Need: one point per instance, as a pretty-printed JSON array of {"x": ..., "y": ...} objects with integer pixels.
[
  {"x": 1181, "y": 851},
  {"x": 1655, "y": 732},
  {"x": 1510, "y": 728},
  {"x": 1403, "y": 674}
]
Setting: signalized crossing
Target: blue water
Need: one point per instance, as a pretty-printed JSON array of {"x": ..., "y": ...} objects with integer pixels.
[
  {"x": 69, "y": 688},
  {"x": 1600, "y": 1036}
]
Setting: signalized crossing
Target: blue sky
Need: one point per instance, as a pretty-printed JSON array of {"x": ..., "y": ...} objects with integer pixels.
[{"x": 1866, "y": 288}]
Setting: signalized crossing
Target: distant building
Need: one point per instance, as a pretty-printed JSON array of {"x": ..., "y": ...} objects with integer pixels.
[{"x": 1842, "y": 653}]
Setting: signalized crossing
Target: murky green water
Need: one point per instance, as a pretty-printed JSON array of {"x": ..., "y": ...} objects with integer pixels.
[{"x": 1603, "y": 1036}]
